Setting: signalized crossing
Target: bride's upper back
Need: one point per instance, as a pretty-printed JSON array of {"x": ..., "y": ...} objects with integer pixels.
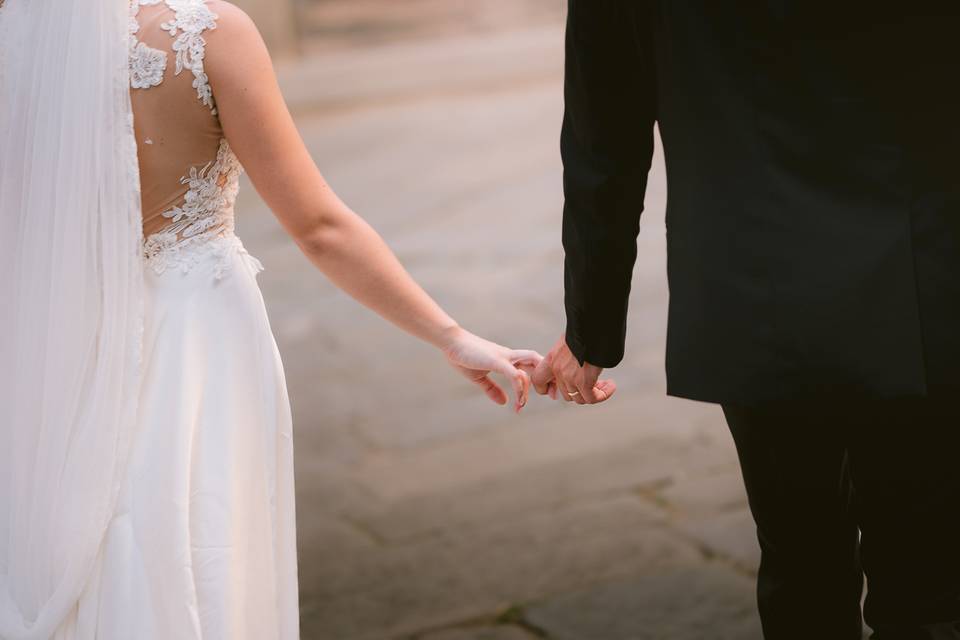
[{"x": 188, "y": 173}]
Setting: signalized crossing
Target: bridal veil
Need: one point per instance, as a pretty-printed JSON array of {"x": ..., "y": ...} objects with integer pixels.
[{"x": 70, "y": 298}]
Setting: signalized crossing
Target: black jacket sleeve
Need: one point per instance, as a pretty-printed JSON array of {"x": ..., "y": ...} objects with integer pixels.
[{"x": 607, "y": 147}]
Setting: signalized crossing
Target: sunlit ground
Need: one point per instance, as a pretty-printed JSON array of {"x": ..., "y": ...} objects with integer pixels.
[{"x": 425, "y": 511}]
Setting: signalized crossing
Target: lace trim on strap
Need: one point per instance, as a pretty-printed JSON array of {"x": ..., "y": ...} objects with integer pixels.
[
  {"x": 147, "y": 65},
  {"x": 191, "y": 19}
]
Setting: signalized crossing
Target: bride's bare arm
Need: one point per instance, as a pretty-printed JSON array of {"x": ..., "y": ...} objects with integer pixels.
[{"x": 340, "y": 243}]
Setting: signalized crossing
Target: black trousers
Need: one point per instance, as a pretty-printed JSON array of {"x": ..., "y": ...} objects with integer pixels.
[{"x": 840, "y": 488}]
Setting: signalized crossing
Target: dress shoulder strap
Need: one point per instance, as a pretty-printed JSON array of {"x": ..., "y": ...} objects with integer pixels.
[{"x": 189, "y": 20}]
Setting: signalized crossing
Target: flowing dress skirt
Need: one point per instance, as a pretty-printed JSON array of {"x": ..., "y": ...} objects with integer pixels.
[{"x": 203, "y": 544}]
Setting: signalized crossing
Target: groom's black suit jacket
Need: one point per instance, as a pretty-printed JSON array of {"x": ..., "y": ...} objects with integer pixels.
[{"x": 813, "y": 164}]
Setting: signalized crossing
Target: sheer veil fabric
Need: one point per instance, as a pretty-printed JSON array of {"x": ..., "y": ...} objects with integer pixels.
[{"x": 70, "y": 298}]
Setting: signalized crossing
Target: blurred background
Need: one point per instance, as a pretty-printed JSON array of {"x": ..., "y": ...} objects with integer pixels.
[{"x": 425, "y": 512}]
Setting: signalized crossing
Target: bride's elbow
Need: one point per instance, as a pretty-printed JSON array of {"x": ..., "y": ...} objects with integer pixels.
[{"x": 319, "y": 237}]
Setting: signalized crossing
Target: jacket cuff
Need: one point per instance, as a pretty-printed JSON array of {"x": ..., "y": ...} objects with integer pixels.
[{"x": 601, "y": 346}]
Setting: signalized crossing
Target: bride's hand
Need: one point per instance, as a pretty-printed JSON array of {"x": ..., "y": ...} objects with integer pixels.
[{"x": 477, "y": 358}]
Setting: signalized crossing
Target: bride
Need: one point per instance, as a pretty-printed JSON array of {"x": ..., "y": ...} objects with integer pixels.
[{"x": 146, "y": 462}]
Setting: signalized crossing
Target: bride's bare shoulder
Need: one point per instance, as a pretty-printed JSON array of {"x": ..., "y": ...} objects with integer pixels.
[
  {"x": 232, "y": 21},
  {"x": 235, "y": 51},
  {"x": 236, "y": 38}
]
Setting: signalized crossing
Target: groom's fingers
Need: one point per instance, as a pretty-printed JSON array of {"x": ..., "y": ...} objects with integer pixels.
[
  {"x": 568, "y": 393},
  {"x": 600, "y": 392},
  {"x": 607, "y": 387},
  {"x": 543, "y": 375}
]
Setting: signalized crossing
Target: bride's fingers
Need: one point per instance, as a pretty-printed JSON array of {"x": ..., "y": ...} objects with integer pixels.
[
  {"x": 519, "y": 380},
  {"x": 528, "y": 363},
  {"x": 492, "y": 389},
  {"x": 523, "y": 392},
  {"x": 525, "y": 359}
]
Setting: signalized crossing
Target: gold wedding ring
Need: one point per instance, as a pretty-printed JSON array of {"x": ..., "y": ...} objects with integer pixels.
[{"x": 573, "y": 394}]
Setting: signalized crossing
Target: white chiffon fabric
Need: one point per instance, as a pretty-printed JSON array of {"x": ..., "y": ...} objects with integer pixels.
[
  {"x": 203, "y": 543},
  {"x": 146, "y": 453}
]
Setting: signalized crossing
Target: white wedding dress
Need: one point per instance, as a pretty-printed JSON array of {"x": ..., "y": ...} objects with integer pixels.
[{"x": 202, "y": 543}]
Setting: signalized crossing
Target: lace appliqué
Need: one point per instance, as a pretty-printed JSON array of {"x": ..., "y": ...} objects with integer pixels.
[
  {"x": 191, "y": 19},
  {"x": 203, "y": 227},
  {"x": 147, "y": 65},
  {"x": 186, "y": 255}
]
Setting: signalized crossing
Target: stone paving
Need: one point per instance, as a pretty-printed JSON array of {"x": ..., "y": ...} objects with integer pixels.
[{"x": 424, "y": 511}]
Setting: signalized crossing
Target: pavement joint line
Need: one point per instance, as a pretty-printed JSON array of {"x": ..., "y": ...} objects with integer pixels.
[
  {"x": 364, "y": 530},
  {"x": 708, "y": 552},
  {"x": 455, "y": 531},
  {"x": 504, "y": 618},
  {"x": 713, "y": 555},
  {"x": 653, "y": 497},
  {"x": 517, "y": 616}
]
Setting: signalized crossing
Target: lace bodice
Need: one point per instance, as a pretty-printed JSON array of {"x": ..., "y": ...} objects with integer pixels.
[{"x": 189, "y": 174}]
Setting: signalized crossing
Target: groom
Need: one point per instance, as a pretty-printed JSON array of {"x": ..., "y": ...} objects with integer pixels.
[{"x": 813, "y": 234}]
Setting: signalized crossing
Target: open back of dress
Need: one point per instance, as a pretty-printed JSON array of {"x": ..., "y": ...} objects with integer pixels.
[{"x": 189, "y": 175}]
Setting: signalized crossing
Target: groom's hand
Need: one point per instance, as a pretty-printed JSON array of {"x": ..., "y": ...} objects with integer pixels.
[{"x": 561, "y": 373}]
